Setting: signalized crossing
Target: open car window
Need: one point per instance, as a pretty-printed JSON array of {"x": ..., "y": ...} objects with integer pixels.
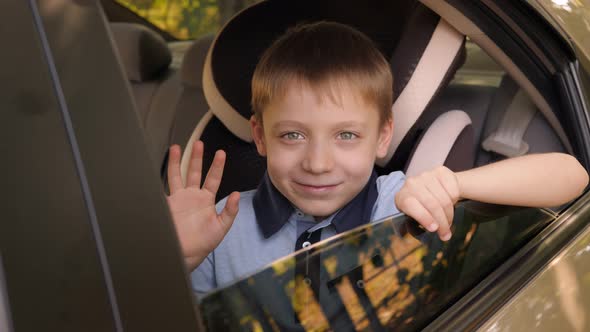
[
  {"x": 479, "y": 68},
  {"x": 387, "y": 275},
  {"x": 187, "y": 19}
]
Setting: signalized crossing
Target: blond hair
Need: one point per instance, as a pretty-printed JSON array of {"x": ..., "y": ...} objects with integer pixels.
[{"x": 323, "y": 56}]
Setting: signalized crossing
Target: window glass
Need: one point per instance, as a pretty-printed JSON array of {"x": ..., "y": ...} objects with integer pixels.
[
  {"x": 479, "y": 68},
  {"x": 187, "y": 19},
  {"x": 390, "y": 275}
]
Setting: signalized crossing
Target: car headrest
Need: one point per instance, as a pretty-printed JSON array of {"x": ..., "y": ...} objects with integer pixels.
[
  {"x": 233, "y": 56},
  {"x": 143, "y": 52},
  {"x": 193, "y": 61}
]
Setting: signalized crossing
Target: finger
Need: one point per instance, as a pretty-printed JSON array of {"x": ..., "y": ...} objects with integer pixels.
[
  {"x": 174, "y": 180},
  {"x": 195, "y": 166},
  {"x": 213, "y": 178},
  {"x": 230, "y": 210},
  {"x": 436, "y": 210},
  {"x": 438, "y": 191},
  {"x": 412, "y": 207},
  {"x": 428, "y": 201}
]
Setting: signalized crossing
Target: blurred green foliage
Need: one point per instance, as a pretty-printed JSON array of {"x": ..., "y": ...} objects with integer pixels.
[{"x": 187, "y": 19}]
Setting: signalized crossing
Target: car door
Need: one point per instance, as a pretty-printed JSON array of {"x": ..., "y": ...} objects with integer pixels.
[{"x": 86, "y": 240}]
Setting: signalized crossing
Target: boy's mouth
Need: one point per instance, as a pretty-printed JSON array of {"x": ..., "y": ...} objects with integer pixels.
[{"x": 315, "y": 188}]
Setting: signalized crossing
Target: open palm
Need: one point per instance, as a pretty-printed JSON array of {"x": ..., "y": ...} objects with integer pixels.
[{"x": 198, "y": 225}]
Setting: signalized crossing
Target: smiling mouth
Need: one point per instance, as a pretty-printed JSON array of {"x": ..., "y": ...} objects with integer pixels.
[{"x": 316, "y": 189}]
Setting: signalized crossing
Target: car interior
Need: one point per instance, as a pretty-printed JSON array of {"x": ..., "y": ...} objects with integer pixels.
[
  {"x": 460, "y": 101},
  {"x": 90, "y": 244}
]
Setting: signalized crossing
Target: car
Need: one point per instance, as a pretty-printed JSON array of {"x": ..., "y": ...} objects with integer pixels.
[{"x": 88, "y": 243}]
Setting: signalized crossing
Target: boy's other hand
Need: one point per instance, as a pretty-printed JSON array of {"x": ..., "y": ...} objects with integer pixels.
[
  {"x": 430, "y": 198},
  {"x": 198, "y": 226}
]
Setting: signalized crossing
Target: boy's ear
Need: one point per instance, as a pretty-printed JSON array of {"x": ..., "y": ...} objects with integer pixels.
[
  {"x": 385, "y": 134},
  {"x": 258, "y": 135}
]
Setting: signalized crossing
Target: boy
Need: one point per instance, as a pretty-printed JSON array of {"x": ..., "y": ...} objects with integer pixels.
[{"x": 322, "y": 97}]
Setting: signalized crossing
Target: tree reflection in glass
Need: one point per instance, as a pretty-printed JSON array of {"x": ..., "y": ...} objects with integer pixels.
[{"x": 386, "y": 275}]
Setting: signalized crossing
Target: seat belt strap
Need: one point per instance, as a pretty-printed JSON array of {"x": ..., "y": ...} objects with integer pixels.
[{"x": 507, "y": 139}]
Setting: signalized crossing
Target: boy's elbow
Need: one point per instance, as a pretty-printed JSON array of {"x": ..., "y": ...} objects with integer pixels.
[
  {"x": 577, "y": 174},
  {"x": 582, "y": 180}
]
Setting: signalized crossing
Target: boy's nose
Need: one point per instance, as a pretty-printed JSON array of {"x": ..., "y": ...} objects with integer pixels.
[{"x": 318, "y": 159}]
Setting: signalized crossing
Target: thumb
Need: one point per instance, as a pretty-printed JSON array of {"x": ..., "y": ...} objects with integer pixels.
[{"x": 230, "y": 210}]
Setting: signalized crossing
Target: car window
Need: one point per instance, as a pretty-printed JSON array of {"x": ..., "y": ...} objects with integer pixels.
[
  {"x": 479, "y": 68},
  {"x": 187, "y": 19},
  {"x": 390, "y": 275}
]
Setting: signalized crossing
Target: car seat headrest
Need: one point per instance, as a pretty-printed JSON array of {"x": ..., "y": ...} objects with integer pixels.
[
  {"x": 233, "y": 56},
  {"x": 191, "y": 69},
  {"x": 143, "y": 52}
]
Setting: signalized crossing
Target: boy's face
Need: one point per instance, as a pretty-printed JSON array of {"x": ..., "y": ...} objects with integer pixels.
[{"x": 320, "y": 153}]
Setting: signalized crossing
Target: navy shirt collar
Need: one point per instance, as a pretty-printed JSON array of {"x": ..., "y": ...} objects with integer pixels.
[{"x": 273, "y": 210}]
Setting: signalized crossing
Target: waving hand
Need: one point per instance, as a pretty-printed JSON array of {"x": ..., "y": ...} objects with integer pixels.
[{"x": 198, "y": 226}]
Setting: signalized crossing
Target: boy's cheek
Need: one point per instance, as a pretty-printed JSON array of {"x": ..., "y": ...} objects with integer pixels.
[{"x": 280, "y": 162}]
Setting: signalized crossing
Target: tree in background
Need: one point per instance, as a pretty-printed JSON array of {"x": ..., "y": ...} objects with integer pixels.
[{"x": 187, "y": 19}]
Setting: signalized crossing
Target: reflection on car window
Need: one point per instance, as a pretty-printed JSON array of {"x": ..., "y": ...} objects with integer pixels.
[
  {"x": 187, "y": 19},
  {"x": 389, "y": 275}
]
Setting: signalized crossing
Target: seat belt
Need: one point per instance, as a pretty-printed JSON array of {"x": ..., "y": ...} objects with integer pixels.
[{"x": 507, "y": 139}]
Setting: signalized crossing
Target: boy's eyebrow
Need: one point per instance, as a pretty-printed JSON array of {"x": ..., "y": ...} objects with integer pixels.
[
  {"x": 338, "y": 124},
  {"x": 285, "y": 123},
  {"x": 351, "y": 123}
]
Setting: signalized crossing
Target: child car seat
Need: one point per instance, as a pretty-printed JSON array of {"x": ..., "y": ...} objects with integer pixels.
[{"x": 425, "y": 52}]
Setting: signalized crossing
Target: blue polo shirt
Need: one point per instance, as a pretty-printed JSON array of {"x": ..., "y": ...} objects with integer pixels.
[{"x": 269, "y": 227}]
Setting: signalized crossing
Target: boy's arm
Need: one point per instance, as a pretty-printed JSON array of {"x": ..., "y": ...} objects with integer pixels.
[{"x": 541, "y": 180}]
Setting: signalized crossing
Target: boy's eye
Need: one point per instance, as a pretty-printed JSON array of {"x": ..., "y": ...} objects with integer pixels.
[
  {"x": 292, "y": 136},
  {"x": 347, "y": 135}
]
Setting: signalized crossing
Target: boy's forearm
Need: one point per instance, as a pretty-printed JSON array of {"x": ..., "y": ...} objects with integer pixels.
[{"x": 541, "y": 180}]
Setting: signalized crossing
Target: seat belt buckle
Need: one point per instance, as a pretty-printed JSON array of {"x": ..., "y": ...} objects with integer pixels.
[{"x": 505, "y": 145}]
